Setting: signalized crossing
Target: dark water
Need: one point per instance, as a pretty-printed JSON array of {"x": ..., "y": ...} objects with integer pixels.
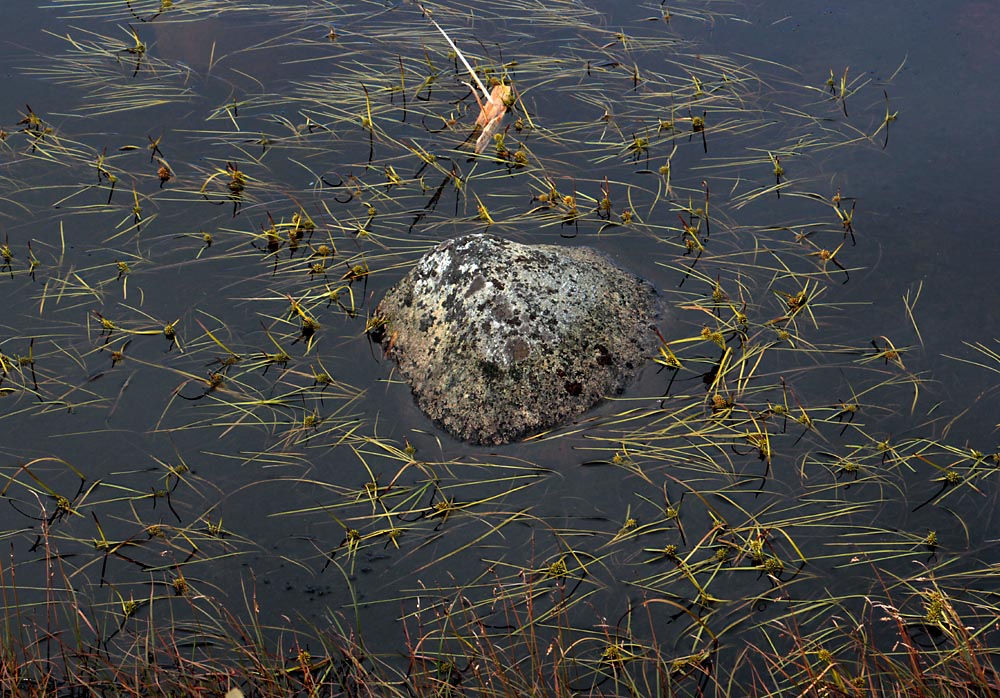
[{"x": 283, "y": 490}]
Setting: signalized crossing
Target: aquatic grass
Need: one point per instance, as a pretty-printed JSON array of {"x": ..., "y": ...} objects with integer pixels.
[
  {"x": 107, "y": 66},
  {"x": 142, "y": 10},
  {"x": 728, "y": 527},
  {"x": 881, "y": 647}
]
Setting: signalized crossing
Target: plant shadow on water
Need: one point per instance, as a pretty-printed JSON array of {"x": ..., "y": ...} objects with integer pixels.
[{"x": 213, "y": 480}]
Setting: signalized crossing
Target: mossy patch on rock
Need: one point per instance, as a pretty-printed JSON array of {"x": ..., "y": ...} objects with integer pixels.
[{"x": 499, "y": 339}]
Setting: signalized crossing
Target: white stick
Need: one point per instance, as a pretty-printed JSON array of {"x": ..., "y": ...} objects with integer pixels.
[{"x": 479, "y": 83}]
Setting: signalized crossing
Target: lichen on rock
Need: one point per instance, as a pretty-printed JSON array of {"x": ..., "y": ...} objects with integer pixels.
[{"x": 498, "y": 339}]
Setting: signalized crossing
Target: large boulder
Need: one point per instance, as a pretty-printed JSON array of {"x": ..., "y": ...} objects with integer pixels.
[{"x": 499, "y": 339}]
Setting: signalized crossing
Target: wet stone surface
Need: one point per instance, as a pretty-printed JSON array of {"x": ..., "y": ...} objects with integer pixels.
[{"x": 500, "y": 340}]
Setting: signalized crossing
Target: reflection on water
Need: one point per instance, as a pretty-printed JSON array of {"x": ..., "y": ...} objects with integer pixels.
[{"x": 976, "y": 23}]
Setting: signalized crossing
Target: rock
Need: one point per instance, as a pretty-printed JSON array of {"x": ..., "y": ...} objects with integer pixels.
[{"x": 499, "y": 339}]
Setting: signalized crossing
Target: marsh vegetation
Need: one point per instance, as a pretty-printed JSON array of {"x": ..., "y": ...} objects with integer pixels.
[{"x": 212, "y": 479}]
